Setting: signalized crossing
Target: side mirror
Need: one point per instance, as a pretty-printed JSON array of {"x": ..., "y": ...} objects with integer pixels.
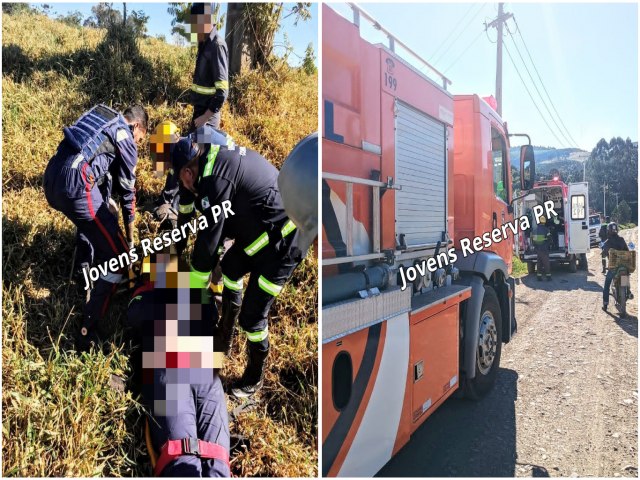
[{"x": 527, "y": 167}]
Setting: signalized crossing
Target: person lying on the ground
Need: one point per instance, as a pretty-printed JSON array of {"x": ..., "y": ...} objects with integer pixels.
[{"x": 188, "y": 432}]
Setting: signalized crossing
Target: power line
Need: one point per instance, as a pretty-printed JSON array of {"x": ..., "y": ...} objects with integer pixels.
[
  {"x": 453, "y": 30},
  {"x": 542, "y": 83},
  {"x": 463, "y": 52},
  {"x": 531, "y": 96},
  {"x": 459, "y": 34},
  {"x": 537, "y": 90}
]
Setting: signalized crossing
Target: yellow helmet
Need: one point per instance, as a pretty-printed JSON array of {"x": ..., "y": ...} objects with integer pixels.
[{"x": 166, "y": 132}]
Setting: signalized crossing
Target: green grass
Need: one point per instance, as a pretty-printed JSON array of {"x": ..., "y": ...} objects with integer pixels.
[
  {"x": 60, "y": 418},
  {"x": 519, "y": 268}
]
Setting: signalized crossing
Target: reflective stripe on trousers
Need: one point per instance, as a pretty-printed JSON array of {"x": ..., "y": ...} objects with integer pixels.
[
  {"x": 258, "y": 336},
  {"x": 263, "y": 240}
]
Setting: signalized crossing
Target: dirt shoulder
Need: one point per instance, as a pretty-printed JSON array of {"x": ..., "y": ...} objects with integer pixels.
[{"x": 566, "y": 399}]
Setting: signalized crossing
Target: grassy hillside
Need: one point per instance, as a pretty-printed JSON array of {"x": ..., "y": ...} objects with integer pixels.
[{"x": 60, "y": 417}]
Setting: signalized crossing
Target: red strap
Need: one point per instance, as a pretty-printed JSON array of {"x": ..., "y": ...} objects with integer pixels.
[
  {"x": 146, "y": 286},
  {"x": 173, "y": 449}
]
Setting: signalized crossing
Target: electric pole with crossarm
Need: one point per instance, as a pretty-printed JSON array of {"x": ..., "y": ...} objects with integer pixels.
[{"x": 498, "y": 23}]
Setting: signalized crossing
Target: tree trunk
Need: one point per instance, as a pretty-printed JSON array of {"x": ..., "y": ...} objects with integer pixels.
[{"x": 237, "y": 39}]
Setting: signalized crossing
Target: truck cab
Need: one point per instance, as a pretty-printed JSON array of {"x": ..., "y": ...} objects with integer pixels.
[{"x": 594, "y": 229}]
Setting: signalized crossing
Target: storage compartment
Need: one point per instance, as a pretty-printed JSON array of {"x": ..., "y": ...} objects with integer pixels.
[
  {"x": 434, "y": 359},
  {"x": 421, "y": 151}
]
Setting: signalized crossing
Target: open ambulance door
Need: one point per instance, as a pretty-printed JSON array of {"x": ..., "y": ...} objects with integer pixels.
[{"x": 577, "y": 217}]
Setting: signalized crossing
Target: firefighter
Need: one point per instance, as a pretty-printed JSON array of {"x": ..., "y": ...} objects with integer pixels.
[
  {"x": 165, "y": 135},
  {"x": 614, "y": 242},
  {"x": 188, "y": 433},
  {"x": 266, "y": 240},
  {"x": 100, "y": 145},
  {"x": 210, "y": 78},
  {"x": 541, "y": 238}
]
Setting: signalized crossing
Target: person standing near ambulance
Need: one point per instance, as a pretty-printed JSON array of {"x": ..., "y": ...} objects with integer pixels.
[
  {"x": 210, "y": 86},
  {"x": 100, "y": 145},
  {"x": 541, "y": 238}
]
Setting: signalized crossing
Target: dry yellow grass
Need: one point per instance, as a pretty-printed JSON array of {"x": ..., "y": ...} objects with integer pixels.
[{"x": 60, "y": 418}]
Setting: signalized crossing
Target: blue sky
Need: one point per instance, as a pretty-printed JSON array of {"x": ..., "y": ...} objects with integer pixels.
[
  {"x": 160, "y": 23},
  {"x": 586, "y": 55}
]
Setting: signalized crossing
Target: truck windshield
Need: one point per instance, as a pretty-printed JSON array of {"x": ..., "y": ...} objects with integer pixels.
[{"x": 594, "y": 220}]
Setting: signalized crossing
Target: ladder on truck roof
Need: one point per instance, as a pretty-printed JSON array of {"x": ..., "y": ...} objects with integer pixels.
[{"x": 393, "y": 40}]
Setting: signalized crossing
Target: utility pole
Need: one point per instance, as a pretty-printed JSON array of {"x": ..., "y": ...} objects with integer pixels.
[
  {"x": 604, "y": 199},
  {"x": 616, "y": 194},
  {"x": 498, "y": 23}
]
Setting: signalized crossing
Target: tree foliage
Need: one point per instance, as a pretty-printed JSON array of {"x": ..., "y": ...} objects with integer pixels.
[
  {"x": 263, "y": 21},
  {"x": 309, "y": 62},
  {"x": 181, "y": 18},
  {"x": 16, "y": 8},
  {"x": 104, "y": 15},
  {"x": 614, "y": 164},
  {"x": 622, "y": 213},
  {"x": 73, "y": 19}
]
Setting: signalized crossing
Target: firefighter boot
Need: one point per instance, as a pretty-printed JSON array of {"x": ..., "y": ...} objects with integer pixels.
[
  {"x": 252, "y": 377},
  {"x": 94, "y": 310},
  {"x": 230, "y": 312}
]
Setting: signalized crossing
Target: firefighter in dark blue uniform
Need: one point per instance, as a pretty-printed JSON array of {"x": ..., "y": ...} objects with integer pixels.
[
  {"x": 101, "y": 145},
  {"x": 180, "y": 382},
  {"x": 541, "y": 238},
  {"x": 210, "y": 79},
  {"x": 265, "y": 240}
]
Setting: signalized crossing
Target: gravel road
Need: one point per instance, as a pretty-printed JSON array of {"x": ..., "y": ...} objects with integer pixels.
[{"x": 566, "y": 399}]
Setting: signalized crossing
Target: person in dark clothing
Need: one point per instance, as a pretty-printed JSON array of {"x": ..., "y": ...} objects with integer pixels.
[
  {"x": 603, "y": 238},
  {"x": 211, "y": 76},
  {"x": 237, "y": 191},
  {"x": 101, "y": 145},
  {"x": 541, "y": 237},
  {"x": 188, "y": 432},
  {"x": 614, "y": 242}
]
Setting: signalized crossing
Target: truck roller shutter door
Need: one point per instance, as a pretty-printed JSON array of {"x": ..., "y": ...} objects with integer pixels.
[{"x": 420, "y": 170}]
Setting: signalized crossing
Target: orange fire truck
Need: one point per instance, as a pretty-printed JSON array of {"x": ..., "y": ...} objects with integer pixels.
[{"x": 408, "y": 170}]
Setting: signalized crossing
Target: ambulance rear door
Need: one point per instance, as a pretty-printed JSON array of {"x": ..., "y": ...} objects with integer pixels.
[{"x": 577, "y": 215}]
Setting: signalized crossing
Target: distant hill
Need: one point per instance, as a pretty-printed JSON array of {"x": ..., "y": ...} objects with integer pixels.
[
  {"x": 546, "y": 155},
  {"x": 566, "y": 160}
]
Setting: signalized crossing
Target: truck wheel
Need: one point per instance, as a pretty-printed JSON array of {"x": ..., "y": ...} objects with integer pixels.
[
  {"x": 531, "y": 267},
  {"x": 573, "y": 267},
  {"x": 584, "y": 264},
  {"x": 489, "y": 346}
]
